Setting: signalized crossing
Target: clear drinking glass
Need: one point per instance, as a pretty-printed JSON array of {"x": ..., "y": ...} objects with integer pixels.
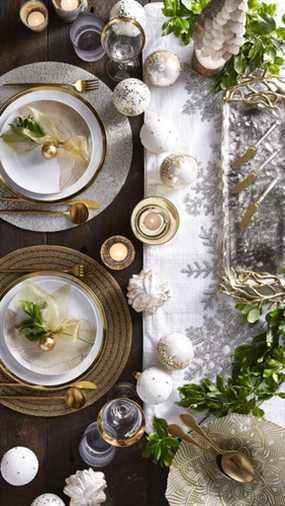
[
  {"x": 85, "y": 36},
  {"x": 123, "y": 40},
  {"x": 120, "y": 424}
]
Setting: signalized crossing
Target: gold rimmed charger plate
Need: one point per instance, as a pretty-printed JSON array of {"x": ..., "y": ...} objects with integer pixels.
[
  {"x": 110, "y": 363},
  {"x": 96, "y": 301},
  {"x": 15, "y": 97}
]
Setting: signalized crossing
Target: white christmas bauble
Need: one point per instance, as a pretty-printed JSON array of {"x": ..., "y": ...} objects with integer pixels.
[
  {"x": 178, "y": 170},
  {"x": 154, "y": 386},
  {"x": 129, "y": 9},
  {"x": 19, "y": 466},
  {"x": 48, "y": 500},
  {"x": 131, "y": 97},
  {"x": 162, "y": 68},
  {"x": 158, "y": 135},
  {"x": 175, "y": 351}
]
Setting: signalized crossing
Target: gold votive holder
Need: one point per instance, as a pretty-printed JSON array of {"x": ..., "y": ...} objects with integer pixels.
[
  {"x": 69, "y": 10},
  {"x": 34, "y": 15},
  {"x": 155, "y": 220},
  {"x": 117, "y": 253}
]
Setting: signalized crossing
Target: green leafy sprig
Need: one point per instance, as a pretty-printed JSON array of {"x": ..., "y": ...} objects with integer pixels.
[
  {"x": 160, "y": 446},
  {"x": 33, "y": 327},
  {"x": 25, "y": 129},
  {"x": 258, "y": 371},
  {"x": 263, "y": 48}
]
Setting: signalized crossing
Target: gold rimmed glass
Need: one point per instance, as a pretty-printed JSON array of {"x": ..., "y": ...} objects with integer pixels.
[
  {"x": 120, "y": 424},
  {"x": 123, "y": 40}
]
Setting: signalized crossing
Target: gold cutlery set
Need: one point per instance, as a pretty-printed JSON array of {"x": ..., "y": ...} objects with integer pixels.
[
  {"x": 78, "y": 210},
  {"x": 245, "y": 183}
]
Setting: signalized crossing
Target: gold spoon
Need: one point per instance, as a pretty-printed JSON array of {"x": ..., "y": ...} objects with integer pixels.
[
  {"x": 233, "y": 463},
  {"x": 81, "y": 385},
  {"x": 78, "y": 213},
  {"x": 176, "y": 431},
  {"x": 74, "y": 398}
]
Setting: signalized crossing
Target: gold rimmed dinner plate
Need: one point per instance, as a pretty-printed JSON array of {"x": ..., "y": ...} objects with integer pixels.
[
  {"x": 26, "y": 174},
  {"x": 113, "y": 357}
]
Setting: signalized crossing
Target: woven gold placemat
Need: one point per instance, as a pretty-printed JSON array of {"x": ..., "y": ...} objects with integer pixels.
[{"x": 108, "y": 367}]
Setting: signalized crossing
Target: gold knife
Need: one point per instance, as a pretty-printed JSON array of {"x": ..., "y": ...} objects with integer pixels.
[
  {"x": 252, "y": 176},
  {"x": 252, "y": 150},
  {"x": 92, "y": 204},
  {"x": 252, "y": 208}
]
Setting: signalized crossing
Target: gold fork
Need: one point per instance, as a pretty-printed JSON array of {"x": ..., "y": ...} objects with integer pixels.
[
  {"x": 81, "y": 86},
  {"x": 77, "y": 270}
]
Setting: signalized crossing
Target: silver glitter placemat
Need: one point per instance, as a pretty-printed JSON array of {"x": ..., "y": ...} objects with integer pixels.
[{"x": 118, "y": 159}]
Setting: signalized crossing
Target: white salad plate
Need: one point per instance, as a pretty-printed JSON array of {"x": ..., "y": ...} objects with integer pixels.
[
  {"x": 71, "y": 356},
  {"x": 29, "y": 173}
]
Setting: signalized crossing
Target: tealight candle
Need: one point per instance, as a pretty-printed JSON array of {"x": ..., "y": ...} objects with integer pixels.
[
  {"x": 152, "y": 222},
  {"x": 69, "y": 5},
  {"x": 155, "y": 220},
  {"x": 117, "y": 252},
  {"x": 69, "y": 10},
  {"x": 34, "y": 15}
]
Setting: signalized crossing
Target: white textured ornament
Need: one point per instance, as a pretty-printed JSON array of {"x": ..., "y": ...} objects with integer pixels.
[
  {"x": 86, "y": 488},
  {"x": 19, "y": 466},
  {"x": 162, "y": 68},
  {"x": 129, "y": 9},
  {"x": 131, "y": 97},
  {"x": 48, "y": 500},
  {"x": 154, "y": 386},
  {"x": 178, "y": 170},
  {"x": 219, "y": 34},
  {"x": 175, "y": 351},
  {"x": 158, "y": 135},
  {"x": 147, "y": 293}
]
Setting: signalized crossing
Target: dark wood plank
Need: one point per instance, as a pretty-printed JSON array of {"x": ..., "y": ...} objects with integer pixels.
[{"x": 131, "y": 480}]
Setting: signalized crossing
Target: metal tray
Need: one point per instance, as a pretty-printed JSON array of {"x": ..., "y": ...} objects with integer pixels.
[{"x": 261, "y": 246}]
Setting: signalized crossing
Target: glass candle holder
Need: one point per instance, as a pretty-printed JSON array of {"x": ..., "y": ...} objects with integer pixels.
[
  {"x": 34, "y": 15},
  {"x": 155, "y": 220},
  {"x": 117, "y": 252},
  {"x": 123, "y": 40},
  {"x": 69, "y": 10},
  {"x": 85, "y": 36}
]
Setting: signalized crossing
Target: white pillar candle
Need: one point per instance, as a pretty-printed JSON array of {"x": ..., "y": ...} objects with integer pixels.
[
  {"x": 69, "y": 5},
  {"x": 118, "y": 252}
]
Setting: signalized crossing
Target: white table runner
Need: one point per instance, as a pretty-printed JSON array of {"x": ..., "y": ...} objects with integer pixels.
[{"x": 191, "y": 261}]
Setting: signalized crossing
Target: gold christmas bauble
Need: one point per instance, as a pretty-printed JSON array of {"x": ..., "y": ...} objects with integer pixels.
[
  {"x": 178, "y": 170},
  {"x": 49, "y": 150},
  {"x": 47, "y": 343}
]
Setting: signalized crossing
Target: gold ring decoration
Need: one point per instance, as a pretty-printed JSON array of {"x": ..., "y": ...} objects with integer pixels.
[
  {"x": 90, "y": 107},
  {"x": 109, "y": 364}
]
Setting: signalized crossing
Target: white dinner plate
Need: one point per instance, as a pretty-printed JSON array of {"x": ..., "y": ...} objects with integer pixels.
[
  {"x": 35, "y": 177},
  {"x": 71, "y": 357}
]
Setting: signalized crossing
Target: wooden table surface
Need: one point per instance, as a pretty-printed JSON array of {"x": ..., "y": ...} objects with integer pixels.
[{"x": 132, "y": 481}]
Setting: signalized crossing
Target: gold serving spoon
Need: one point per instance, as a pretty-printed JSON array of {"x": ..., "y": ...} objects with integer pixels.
[
  {"x": 233, "y": 463},
  {"x": 176, "y": 431},
  {"x": 74, "y": 398},
  {"x": 254, "y": 206},
  {"x": 251, "y": 150},
  {"x": 252, "y": 176},
  {"x": 77, "y": 213}
]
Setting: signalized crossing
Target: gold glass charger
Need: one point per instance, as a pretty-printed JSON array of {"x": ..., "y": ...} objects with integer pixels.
[
  {"x": 195, "y": 480},
  {"x": 108, "y": 366}
]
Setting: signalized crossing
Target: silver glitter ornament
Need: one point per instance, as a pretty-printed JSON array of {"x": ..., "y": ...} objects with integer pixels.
[
  {"x": 178, "y": 170},
  {"x": 162, "y": 68},
  {"x": 131, "y": 97},
  {"x": 175, "y": 351},
  {"x": 129, "y": 9}
]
